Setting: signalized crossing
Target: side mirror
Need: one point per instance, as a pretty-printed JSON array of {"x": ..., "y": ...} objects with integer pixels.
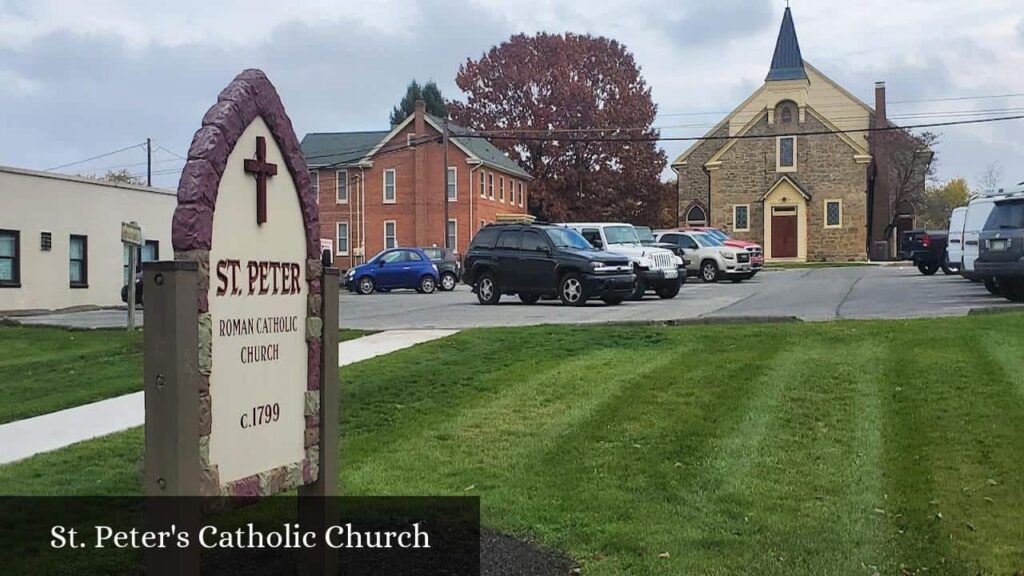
[
  {"x": 543, "y": 249},
  {"x": 598, "y": 244}
]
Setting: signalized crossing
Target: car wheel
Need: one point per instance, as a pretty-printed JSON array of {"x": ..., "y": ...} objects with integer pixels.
[
  {"x": 365, "y": 285},
  {"x": 927, "y": 269},
  {"x": 612, "y": 300},
  {"x": 448, "y": 281},
  {"x": 638, "y": 291},
  {"x": 668, "y": 291},
  {"x": 487, "y": 291},
  {"x": 427, "y": 284},
  {"x": 709, "y": 271},
  {"x": 529, "y": 298},
  {"x": 570, "y": 290},
  {"x": 992, "y": 285}
]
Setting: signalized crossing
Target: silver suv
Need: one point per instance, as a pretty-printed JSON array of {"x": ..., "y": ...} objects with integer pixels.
[
  {"x": 709, "y": 258},
  {"x": 655, "y": 268}
]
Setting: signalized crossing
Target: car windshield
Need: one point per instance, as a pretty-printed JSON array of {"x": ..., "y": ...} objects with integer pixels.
[
  {"x": 706, "y": 240},
  {"x": 568, "y": 238},
  {"x": 644, "y": 233},
  {"x": 1007, "y": 215},
  {"x": 621, "y": 235}
]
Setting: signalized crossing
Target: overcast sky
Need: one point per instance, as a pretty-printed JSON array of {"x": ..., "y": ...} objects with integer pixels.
[{"x": 79, "y": 79}]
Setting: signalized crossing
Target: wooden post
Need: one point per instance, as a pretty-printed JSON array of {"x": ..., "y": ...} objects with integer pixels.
[
  {"x": 316, "y": 509},
  {"x": 171, "y": 371},
  {"x": 132, "y": 264}
]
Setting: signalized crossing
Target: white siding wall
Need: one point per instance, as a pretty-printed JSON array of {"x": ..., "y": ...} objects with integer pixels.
[{"x": 33, "y": 202}]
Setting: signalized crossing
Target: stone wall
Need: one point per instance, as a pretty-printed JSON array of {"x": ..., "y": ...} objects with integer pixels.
[
  {"x": 692, "y": 181},
  {"x": 825, "y": 169}
]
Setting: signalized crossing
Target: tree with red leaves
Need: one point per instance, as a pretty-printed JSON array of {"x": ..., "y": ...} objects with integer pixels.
[{"x": 530, "y": 89}]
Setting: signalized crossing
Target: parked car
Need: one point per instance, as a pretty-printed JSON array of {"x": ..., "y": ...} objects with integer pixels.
[
  {"x": 927, "y": 250},
  {"x": 138, "y": 290},
  {"x": 955, "y": 237},
  {"x": 1001, "y": 246},
  {"x": 655, "y": 268},
  {"x": 392, "y": 269},
  {"x": 755, "y": 250},
  {"x": 448, "y": 266},
  {"x": 646, "y": 235},
  {"x": 978, "y": 211},
  {"x": 710, "y": 258},
  {"x": 544, "y": 260}
]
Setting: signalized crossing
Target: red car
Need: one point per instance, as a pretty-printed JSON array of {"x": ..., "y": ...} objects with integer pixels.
[{"x": 756, "y": 253}]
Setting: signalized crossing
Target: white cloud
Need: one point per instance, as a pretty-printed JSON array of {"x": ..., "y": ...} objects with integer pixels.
[{"x": 79, "y": 78}]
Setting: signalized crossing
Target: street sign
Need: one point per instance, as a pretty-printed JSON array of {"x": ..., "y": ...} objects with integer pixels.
[{"x": 131, "y": 233}]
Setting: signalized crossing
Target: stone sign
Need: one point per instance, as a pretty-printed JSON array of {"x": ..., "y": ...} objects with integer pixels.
[{"x": 248, "y": 218}]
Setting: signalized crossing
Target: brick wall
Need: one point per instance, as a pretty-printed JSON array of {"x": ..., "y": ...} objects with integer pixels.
[{"x": 418, "y": 210}]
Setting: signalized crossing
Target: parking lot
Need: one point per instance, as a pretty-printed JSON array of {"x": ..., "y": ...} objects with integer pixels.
[{"x": 808, "y": 294}]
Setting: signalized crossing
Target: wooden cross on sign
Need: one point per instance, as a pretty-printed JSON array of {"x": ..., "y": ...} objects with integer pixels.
[{"x": 261, "y": 169}]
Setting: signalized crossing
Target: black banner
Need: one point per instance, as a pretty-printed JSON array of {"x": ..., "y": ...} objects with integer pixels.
[{"x": 85, "y": 536}]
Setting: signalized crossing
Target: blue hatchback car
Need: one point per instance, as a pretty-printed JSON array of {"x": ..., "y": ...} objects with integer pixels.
[{"x": 391, "y": 269}]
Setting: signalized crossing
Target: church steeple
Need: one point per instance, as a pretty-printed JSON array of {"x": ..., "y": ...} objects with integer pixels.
[{"x": 787, "y": 63}]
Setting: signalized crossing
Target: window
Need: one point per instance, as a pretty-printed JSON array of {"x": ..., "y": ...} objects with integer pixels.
[
  {"x": 786, "y": 115},
  {"x": 45, "y": 241},
  {"x": 510, "y": 240},
  {"x": 10, "y": 259},
  {"x": 501, "y": 189},
  {"x": 785, "y": 157},
  {"x": 389, "y": 186},
  {"x": 390, "y": 237},
  {"x": 314, "y": 183},
  {"x": 483, "y": 191},
  {"x": 150, "y": 251},
  {"x": 485, "y": 239},
  {"x": 78, "y": 261},
  {"x": 342, "y": 186},
  {"x": 453, "y": 187},
  {"x": 410, "y": 256},
  {"x": 695, "y": 217},
  {"x": 490, "y": 185},
  {"x": 410, "y": 139},
  {"x": 482, "y": 224},
  {"x": 342, "y": 238},
  {"x": 453, "y": 234},
  {"x": 741, "y": 217},
  {"x": 522, "y": 195},
  {"x": 833, "y": 213},
  {"x": 533, "y": 242},
  {"x": 593, "y": 235}
]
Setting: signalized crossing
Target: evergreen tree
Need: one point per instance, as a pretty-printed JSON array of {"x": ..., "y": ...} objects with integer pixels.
[{"x": 428, "y": 92}]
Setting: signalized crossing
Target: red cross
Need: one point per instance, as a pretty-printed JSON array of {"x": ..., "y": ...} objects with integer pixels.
[{"x": 260, "y": 168}]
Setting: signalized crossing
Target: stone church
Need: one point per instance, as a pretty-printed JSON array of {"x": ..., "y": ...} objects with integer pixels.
[{"x": 795, "y": 167}]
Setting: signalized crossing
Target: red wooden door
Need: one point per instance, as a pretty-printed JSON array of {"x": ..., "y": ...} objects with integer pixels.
[{"x": 784, "y": 244}]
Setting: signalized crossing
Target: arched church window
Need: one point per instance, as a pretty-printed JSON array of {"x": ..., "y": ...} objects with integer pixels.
[
  {"x": 786, "y": 115},
  {"x": 696, "y": 217}
]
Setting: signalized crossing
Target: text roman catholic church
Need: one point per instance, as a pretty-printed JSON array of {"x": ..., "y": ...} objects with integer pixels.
[{"x": 819, "y": 189}]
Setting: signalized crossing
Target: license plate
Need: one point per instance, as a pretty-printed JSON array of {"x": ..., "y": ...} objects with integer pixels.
[
  {"x": 671, "y": 273},
  {"x": 997, "y": 245}
]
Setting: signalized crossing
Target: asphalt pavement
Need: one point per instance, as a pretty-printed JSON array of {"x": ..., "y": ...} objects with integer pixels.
[{"x": 816, "y": 294}]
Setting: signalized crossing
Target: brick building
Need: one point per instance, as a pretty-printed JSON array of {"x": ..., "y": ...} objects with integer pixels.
[
  {"x": 795, "y": 168},
  {"x": 386, "y": 188}
]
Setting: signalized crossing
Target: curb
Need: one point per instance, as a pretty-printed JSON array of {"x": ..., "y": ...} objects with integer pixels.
[{"x": 989, "y": 310}]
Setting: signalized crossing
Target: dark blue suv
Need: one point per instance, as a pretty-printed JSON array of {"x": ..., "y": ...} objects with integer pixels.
[{"x": 391, "y": 269}]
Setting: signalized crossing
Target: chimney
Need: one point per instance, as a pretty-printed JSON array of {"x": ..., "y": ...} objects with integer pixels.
[
  {"x": 419, "y": 115},
  {"x": 880, "y": 102}
]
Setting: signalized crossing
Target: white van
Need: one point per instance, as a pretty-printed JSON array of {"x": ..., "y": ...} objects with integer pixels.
[
  {"x": 954, "y": 245},
  {"x": 977, "y": 213}
]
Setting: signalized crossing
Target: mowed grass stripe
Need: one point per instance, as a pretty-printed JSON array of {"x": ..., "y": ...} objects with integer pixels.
[
  {"x": 484, "y": 442},
  {"x": 626, "y": 484},
  {"x": 955, "y": 454},
  {"x": 44, "y": 370}
]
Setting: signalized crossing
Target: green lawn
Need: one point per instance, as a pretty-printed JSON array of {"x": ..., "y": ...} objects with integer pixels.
[
  {"x": 807, "y": 448},
  {"x": 43, "y": 370}
]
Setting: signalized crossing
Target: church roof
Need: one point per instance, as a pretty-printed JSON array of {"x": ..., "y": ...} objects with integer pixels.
[{"x": 787, "y": 63}]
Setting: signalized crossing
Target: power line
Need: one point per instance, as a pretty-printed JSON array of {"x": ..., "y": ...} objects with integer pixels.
[
  {"x": 125, "y": 149},
  {"x": 501, "y": 134}
]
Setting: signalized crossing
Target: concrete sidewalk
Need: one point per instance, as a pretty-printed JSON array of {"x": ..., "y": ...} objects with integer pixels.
[{"x": 25, "y": 438}]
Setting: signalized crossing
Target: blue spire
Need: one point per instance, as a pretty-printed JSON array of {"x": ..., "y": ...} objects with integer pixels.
[{"x": 787, "y": 64}]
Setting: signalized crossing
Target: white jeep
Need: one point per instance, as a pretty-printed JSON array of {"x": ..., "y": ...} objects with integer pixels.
[{"x": 656, "y": 269}]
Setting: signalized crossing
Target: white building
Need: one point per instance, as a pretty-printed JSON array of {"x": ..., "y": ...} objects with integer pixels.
[{"x": 60, "y": 238}]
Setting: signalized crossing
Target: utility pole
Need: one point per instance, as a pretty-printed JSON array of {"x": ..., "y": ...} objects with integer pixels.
[
  {"x": 149, "y": 162},
  {"x": 444, "y": 140}
]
